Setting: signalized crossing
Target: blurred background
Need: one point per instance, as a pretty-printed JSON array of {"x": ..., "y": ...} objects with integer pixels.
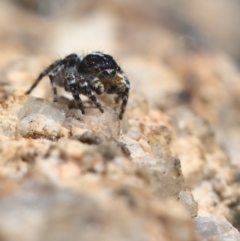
[
  {"x": 177, "y": 53},
  {"x": 133, "y": 27}
]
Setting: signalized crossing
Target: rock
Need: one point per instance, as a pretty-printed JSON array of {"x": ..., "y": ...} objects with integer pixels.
[
  {"x": 187, "y": 199},
  {"x": 39, "y": 118},
  {"x": 215, "y": 227},
  {"x": 108, "y": 122}
]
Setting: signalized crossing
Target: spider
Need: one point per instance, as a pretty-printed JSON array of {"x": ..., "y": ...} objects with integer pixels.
[{"x": 94, "y": 73}]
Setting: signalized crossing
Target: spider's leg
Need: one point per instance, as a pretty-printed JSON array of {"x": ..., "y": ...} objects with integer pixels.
[
  {"x": 117, "y": 99},
  {"x": 77, "y": 98},
  {"x": 73, "y": 86},
  {"x": 97, "y": 86},
  {"x": 86, "y": 90},
  {"x": 124, "y": 96},
  {"x": 71, "y": 60},
  {"x": 54, "y": 87},
  {"x": 44, "y": 73},
  {"x": 52, "y": 77}
]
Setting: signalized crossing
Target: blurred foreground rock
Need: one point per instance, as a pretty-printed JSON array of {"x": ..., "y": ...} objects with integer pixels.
[{"x": 106, "y": 211}]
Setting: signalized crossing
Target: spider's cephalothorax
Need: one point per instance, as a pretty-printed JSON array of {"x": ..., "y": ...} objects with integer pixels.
[{"x": 94, "y": 73}]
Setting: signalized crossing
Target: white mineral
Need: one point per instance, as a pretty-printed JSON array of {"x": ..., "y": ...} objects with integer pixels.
[
  {"x": 107, "y": 122},
  {"x": 40, "y": 118},
  {"x": 187, "y": 200},
  {"x": 215, "y": 227}
]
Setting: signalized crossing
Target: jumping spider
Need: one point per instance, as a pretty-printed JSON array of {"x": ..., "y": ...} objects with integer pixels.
[{"x": 95, "y": 73}]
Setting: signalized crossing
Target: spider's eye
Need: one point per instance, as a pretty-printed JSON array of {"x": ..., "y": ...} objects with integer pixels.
[
  {"x": 104, "y": 74},
  {"x": 96, "y": 70}
]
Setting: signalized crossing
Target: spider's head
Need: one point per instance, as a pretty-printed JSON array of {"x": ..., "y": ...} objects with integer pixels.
[{"x": 99, "y": 64}]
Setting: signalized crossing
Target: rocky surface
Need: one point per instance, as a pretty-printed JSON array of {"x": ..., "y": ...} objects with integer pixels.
[{"x": 168, "y": 171}]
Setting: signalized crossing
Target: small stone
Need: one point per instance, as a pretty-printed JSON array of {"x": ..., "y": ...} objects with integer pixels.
[
  {"x": 40, "y": 118},
  {"x": 88, "y": 137},
  {"x": 107, "y": 122},
  {"x": 167, "y": 178},
  {"x": 187, "y": 200}
]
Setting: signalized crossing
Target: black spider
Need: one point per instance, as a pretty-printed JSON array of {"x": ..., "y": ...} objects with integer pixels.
[{"x": 96, "y": 72}]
